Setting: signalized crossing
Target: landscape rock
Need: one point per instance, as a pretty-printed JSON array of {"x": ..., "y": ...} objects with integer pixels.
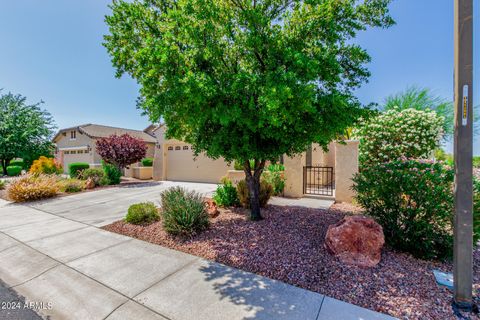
[
  {"x": 356, "y": 240},
  {"x": 212, "y": 208},
  {"x": 90, "y": 184}
]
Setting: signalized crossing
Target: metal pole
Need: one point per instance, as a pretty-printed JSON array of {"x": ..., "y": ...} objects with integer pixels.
[{"x": 463, "y": 145}]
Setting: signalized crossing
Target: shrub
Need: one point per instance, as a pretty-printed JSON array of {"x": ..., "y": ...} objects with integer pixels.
[
  {"x": 112, "y": 173},
  {"x": 19, "y": 163},
  {"x": 238, "y": 165},
  {"x": 142, "y": 213},
  {"x": 3, "y": 184},
  {"x": 147, "y": 162},
  {"x": 96, "y": 174},
  {"x": 266, "y": 191},
  {"x": 226, "y": 194},
  {"x": 183, "y": 211},
  {"x": 392, "y": 134},
  {"x": 44, "y": 165},
  {"x": 413, "y": 201},
  {"x": 71, "y": 185},
  {"x": 33, "y": 187},
  {"x": 275, "y": 177},
  {"x": 13, "y": 171},
  {"x": 121, "y": 151},
  {"x": 75, "y": 168}
]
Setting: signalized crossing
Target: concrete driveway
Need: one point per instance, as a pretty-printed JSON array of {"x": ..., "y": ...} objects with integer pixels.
[
  {"x": 53, "y": 254},
  {"x": 102, "y": 207}
]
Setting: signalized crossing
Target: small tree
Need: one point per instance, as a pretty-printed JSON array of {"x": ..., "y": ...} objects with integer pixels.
[
  {"x": 246, "y": 79},
  {"x": 24, "y": 129},
  {"x": 121, "y": 151}
]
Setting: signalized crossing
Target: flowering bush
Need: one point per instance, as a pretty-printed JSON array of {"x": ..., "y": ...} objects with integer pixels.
[
  {"x": 413, "y": 201},
  {"x": 121, "y": 151},
  {"x": 392, "y": 134},
  {"x": 33, "y": 187},
  {"x": 46, "y": 166},
  {"x": 274, "y": 175}
]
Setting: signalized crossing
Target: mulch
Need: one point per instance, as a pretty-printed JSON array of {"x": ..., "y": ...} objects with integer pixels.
[{"x": 288, "y": 245}]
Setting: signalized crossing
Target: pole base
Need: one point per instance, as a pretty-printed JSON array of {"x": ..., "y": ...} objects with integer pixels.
[{"x": 464, "y": 306}]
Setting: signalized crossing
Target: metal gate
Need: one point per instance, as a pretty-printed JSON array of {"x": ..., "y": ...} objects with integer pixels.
[{"x": 318, "y": 180}]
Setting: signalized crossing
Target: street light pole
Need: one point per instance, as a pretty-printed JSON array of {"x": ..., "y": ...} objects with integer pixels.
[{"x": 463, "y": 145}]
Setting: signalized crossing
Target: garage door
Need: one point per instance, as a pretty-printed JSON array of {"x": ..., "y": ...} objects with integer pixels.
[
  {"x": 182, "y": 166},
  {"x": 71, "y": 156}
]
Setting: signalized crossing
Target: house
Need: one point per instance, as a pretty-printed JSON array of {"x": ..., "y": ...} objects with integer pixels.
[
  {"x": 175, "y": 160},
  {"x": 77, "y": 144}
]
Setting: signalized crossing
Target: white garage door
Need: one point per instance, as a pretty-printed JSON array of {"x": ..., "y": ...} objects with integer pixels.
[
  {"x": 182, "y": 166},
  {"x": 71, "y": 156}
]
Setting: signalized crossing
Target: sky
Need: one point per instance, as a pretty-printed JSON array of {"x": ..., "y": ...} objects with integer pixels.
[{"x": 51, "y": 50}]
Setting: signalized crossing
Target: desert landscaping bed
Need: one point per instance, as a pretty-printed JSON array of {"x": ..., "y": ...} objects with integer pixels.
[{"x": 288, "y": 245}]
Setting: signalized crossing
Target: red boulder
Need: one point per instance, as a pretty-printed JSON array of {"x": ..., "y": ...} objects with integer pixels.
[
  {"x": 211, "y": 207},
  {"x": 356, "y": 240}
]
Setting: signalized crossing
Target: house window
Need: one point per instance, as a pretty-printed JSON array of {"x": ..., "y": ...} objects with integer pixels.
[
  {"x": 73, "y": 135},
  {"x": 185, "y": 147},
  {"x": 80, "y": 151},
  {"x": 73, "y": 152},
  {"x": 170, "y": 148},
  {"x": 177, "y": 148},
  {"x": 66, "y": 152}
]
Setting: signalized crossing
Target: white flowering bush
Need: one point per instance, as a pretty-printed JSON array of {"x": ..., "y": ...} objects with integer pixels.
[{"x": 395, "y": 133}]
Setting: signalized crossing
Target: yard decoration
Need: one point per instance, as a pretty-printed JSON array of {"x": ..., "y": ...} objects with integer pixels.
[
  {"x": 356, "y": 240},
  {"x": 25, "y": 129},
  {"x": 121, "y": 151},
  {"x": 246, "y": 80}
]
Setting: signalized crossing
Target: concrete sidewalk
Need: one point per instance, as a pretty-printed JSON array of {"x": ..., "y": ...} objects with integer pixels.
[{"x": 73, "y": 270}]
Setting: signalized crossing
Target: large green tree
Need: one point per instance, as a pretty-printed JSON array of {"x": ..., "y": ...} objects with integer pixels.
[
  {"x": 246, "y": 79},
  {"x": 25, "y": 129}
]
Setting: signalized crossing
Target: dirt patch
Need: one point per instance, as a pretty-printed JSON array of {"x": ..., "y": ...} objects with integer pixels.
[{"x": 288, "y": 245}]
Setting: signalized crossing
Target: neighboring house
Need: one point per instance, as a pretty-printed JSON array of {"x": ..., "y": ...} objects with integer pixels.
[
  {"x": 175, "y": 160},
  {"x": 77, "y": 144}
]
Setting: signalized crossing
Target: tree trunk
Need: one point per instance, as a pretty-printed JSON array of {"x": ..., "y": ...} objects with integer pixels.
[
  {"x": 5, "y": 164},
  {"x": 253, "y": 183}
]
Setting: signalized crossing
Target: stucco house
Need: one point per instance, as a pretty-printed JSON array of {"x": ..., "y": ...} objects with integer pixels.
[{"x": 77, "y": 144}]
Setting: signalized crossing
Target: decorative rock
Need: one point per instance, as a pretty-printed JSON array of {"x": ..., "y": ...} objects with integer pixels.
[
  {"x": 90, "y": 183},
  {"x": 212, "y": 208},
  {"x": 356, "y": 240}
]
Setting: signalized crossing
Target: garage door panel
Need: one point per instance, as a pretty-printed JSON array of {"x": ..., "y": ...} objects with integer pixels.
[
  {"x": 78, "y": 157},
  {"x": 183, "y": 166}
]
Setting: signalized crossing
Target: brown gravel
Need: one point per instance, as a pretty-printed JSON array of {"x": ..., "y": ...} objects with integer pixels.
[{"x": 288, "y": 246}]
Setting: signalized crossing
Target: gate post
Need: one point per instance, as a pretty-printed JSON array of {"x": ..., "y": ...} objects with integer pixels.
[
  {"x": 346, "y": 166},
  {"x": 294, "y": 175}
]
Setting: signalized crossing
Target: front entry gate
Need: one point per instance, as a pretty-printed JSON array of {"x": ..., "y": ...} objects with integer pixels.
[{"x": 318, "y": 180}]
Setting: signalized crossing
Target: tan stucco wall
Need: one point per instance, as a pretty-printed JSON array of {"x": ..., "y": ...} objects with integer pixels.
[
  {"x": 80, "y": 141},
  {"x": 346, "y": 166},
  {"x": 322, "y": 158},
  {"x": 294, "y": 175}
]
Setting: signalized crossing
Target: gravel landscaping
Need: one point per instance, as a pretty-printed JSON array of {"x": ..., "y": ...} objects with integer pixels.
[{"x": 288, "y": 245}]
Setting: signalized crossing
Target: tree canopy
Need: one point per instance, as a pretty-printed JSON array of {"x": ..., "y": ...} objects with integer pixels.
[
  {"x": 24, "y": 129},
  {"x": 246, "y": 79}
]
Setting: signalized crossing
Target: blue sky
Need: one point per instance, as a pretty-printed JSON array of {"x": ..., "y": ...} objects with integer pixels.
[{"x": 51, "y": 50}]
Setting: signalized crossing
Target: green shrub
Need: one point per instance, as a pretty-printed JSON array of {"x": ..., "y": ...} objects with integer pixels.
[
  {"x": 226, "y": 194},
  {"x": 75, "y": 168},
  {"x": 395, "y": 133},
  {"x": 112, "y": 173},
  {"x": 238, "y": 165},
  {"x": 147, "y": 162},
  {"x": 13, "y": 171},
  {"x": 71, "y": 185},
  {"x": 96, "y": 174},
  {"x": 475, "y": 160},
  {"x": 183, "y": 211},
  {"x": 275, "y": 177},
  {"x": 33, "y": 187},
  {"x": 266, "y": 191},
  {"x": 142, "y": 213},
  {"x": 19, "y": 163},
  {"x": 413, "y": 201},
  {"x": 104, "y": 181},
  {"x": 3, "y": 184}
]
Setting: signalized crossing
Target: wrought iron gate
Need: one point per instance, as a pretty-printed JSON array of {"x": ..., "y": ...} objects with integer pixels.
[{"x": 318, "y": 180}]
